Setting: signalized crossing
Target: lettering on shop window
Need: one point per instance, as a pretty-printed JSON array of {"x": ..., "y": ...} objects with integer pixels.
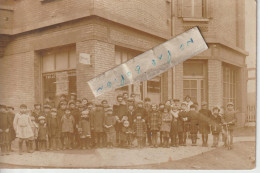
[{"x": 150, "y": 63}]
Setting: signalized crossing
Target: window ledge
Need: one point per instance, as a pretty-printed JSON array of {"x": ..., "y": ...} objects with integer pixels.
[{"x": 186, "y": 19}]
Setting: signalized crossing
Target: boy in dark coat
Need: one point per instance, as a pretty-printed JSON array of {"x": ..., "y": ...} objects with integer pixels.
[
  {"x": 47, "y": 115},
  {"x": 183, "y": 118},
  {"x": 42, "y": 133},
  {"x": 67, "y": 128},
  {"x": 140, "y": 109},
  {"x": 109, "y": 127},
  {"x": 154, "y": 123},
  {"x": 76, "y": 114},
  {"x": 161, "y": 108},
  {"x": 11, "y": 115},
  {"x": 120, "y": 111},
  {"x": 147, "y": 107},
  {"x": 175, "y": 126},
  {"x": 166, "y": 126},
  {"x": 205, "y": 116},
  {"x": 97, "y": 122},
  {"x": 84, "y": 129},
  {"x": 139, "y": 128},
  {"x": 229, "y": 118},
  {"x": 216, "y": 121},
  {"x": 54, "y": 129},
  {"x": 193, "y": 117},
  {"x": 5, "y": 125}
]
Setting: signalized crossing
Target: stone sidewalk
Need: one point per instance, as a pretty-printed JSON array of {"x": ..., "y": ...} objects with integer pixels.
[{"x": 104, "y": 157}]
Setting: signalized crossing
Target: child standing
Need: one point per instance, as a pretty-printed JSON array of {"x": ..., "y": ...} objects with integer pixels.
[
  {"x": 154, "y": 122},
  {"x": 42, "y": 133},
  {"x": 84, "y": 129},
  {"x": 109, "y": 124},
  {"x": 54, "y": 130},
  {"x": 181, "y": 130},
  {"x": 215, "y": 126},
  {"x": 166, "y": 126},
  {"x": 22, "y": 126},
  {"x": 97, "y": 123},
  {"x": 230, "y": 119},
  {"x": 205, "y": 116},
  {"x": 139, "y": 128},
  {"x": 67, "y": 128},
  {"x": 35, "y": 133},
  {"x": 193, "y": 117},
  {"x": 175, "y": 126},
  {"x": 127, "y": 132},
  {"x": 4, "y": 130},
  {"x": 11, "y": 114}
]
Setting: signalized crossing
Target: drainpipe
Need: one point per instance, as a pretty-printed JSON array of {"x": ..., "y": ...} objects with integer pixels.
[{"x": 172, "y": 34}]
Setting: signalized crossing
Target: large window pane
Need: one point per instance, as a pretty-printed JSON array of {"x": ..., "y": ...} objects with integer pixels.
[
  {"x": 193, "y": 69},
  {"x": 62, "y": 60},
  {"x": 72, "y": 59},
  {"x": 48, "y": 63}
]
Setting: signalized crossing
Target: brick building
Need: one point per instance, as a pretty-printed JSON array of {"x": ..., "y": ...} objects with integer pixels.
[{"x": 41, "y": 42}]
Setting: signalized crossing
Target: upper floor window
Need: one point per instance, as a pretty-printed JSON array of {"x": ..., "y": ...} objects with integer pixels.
[{"x": 194, "y": 9}]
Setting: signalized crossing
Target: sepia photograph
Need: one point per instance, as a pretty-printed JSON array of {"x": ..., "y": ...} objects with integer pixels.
[{"x": 128, "y": 84}]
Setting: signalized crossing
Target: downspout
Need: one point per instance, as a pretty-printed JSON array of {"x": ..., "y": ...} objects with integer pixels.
[{"x": 172, "y": 34}]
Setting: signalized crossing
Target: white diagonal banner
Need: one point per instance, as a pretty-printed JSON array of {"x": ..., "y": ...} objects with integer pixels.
[{"x": 150, "y": 63}]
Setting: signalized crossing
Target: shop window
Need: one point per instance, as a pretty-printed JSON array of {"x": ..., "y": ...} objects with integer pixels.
[
  {"x": 59, "y": 72},
  {"x": 229, "y": 84}
]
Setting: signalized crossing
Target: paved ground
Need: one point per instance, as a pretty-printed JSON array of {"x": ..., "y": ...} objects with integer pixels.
[{"x": 108, "y": 158}]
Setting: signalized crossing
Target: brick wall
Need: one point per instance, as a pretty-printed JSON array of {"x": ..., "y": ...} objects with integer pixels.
[
  {"x": 17, "y": 79},
  {"x": 139, "y": 14},
  {"x": 178, "y": 82},
  {"x": 215, "y": 89}
]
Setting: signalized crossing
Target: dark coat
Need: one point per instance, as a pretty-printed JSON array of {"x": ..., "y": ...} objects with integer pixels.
[
  {"x": 130, "y": 117},
  {"x": 120, "y": 112},
  {"x": 139, "y": 127},
  {"x": 142, "y": 111},
  {"x": 177, "y": 125},
  {"x": 43, "y": 131},
  {"x": 204, "y": 121},
  {"x": 110, "y": 120},
  {"x": 181, "y": 121},
  {"x": 154, "y": 120},
  {"x": 36, "y": 115},
  {"x": 230, "y": 117},
  {"x": 84, "y": 127},
  {"x": 54, "y": 127},
  {"x": 97, "y": 120},
  {"x": 76, "y": 114},
  {"x": 11, "y": 116},
  {"x": 193, "y": 117},
  {"x": 5, "y": 124},
  {"x": 216, "y": 121}
]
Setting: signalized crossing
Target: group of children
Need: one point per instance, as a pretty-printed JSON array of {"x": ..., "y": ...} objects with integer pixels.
[{"x": 81, "y": 124}]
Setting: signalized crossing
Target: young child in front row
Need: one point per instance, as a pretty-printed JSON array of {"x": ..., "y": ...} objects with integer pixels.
[
  {"x": 127, "y": 131},
  {"x": 175, "y": 126},
  {"x": 154, "y": 122},
  {"x": 67, "y": 128},
  {"x": 193, "y": 117},
  {"x": 166, "y": 126},
  {"x": 84, "y": 129},
  {"x": 109, "y": 124},
  {"x": 54, "y": 130},
  {"x": 215, "y": 125},
  {"x": 42, "y": 133},
  {"x": 139, "y": 128}
]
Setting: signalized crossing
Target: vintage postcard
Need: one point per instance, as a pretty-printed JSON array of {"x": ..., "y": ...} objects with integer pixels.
[{"x": 128, "y": 84}]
